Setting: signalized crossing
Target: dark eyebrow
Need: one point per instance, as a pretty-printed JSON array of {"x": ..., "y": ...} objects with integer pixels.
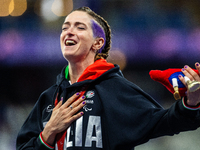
[
  {"x": 66, "y": 23},
  {"x": 76, "y": 23}
]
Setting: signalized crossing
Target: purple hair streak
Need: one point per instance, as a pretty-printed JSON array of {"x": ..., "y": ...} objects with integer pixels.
[{"x": 98, "y": 32}]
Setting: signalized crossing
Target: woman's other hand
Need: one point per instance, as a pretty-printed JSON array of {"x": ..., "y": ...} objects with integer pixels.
[{"x": 193, "y": 98}]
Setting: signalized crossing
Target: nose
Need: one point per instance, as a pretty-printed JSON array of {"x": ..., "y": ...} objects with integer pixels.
[{"x": 70, "y": 31}]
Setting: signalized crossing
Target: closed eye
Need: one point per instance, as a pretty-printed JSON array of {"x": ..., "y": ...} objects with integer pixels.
[
  {"x": 81, "y": 28},
  {"x": 64, "y": 28}
]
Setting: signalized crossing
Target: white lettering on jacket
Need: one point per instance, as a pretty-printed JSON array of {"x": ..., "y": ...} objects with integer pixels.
[
  {"x": 94, "y": 123},
  {"x": 68, "y": 143},
  {"x": 93, "y": 133},
  {"x": 78, "y": 132}
]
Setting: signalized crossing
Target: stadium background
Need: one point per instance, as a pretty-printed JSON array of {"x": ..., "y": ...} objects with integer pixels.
[{"x": 146, "y": 35}]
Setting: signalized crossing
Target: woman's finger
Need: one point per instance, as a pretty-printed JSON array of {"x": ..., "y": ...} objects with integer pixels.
[
  {"x": 59, "y": 104},
  {"x": 71, "y": 100},
  {"x": 197, "y": 65},
  {"x": 76, "y": 106},
  {"x": 187, "y": 71},
  {"x": 75, "y": 117},
  {"x": 190, "y": 73},
  {"x": 182, "y": 80},
  {"x": 77, "y": 102}
]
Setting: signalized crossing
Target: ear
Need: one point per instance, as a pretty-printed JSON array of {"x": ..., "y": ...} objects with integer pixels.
[{"x": 98, "y": 43}]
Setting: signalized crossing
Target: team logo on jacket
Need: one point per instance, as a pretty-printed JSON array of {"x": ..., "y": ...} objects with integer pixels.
[
  {"x": 90, "y": 94},
  {"x": 87, "y": 107}
]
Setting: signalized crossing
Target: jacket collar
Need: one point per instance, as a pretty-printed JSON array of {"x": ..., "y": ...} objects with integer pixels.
[{"x": 100, "y": 68}]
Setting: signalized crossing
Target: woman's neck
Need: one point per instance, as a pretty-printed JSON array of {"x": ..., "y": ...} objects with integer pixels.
[{"x": 76, "y": 70}]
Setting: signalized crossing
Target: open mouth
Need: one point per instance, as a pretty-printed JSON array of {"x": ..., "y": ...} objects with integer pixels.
[{"x": 70, "y": 43}]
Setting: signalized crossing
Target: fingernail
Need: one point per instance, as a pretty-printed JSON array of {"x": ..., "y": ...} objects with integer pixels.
[
  {"x": 185, "y": 66},
  {"x": 61, "y": 99},
  {"x": 83, "y": 97},
  {"x": 83, "y": 103},
  {"x": 183, "y": 69},
  {"x": 179, "y": 76},
  {"x": 197, "y": 64},
  {"x": 81, "y": 113},
  {"x": 77, "y": 93}
]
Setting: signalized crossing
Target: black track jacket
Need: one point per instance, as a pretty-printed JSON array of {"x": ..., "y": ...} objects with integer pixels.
[{"x": 118, "y": 115}]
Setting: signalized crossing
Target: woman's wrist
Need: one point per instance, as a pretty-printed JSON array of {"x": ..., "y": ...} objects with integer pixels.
[
  {"x": 189, "y": 105},
  {"x": 48, "y": 135},
  {"x": 44, "y": 143}
]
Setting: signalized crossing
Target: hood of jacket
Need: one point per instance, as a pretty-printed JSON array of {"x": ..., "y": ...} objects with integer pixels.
[{"x": 100, "y": 69}]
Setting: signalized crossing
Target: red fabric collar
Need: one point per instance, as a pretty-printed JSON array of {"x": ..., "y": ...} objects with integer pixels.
[{"x": 95, "y": 70}]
